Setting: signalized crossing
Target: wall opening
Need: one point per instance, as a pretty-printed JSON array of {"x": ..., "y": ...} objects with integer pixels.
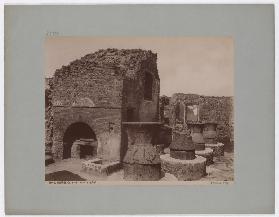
[
  {"x": 192, "y": 113},
  {"x": 79, "y": 132},
  {"x": 148, "y": 84}
]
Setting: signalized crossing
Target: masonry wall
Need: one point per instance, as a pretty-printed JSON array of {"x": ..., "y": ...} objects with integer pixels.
[
  {"x": 90, "y": 95},
  {"x": 99, "y": 120},
  {"x": 91, "y": 87},
  {"x": 98, "y": 90},
  {"x": 145, "y": 110},
  {"x": 48, "y": 117}
]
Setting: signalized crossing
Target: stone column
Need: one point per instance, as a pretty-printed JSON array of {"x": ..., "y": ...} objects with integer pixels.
[
  {"x": 182, "y": 161},
  {"x": 142, "y": 159},
  {"x": 210, "y": 136},
  {"x": 198, "y": 139}
]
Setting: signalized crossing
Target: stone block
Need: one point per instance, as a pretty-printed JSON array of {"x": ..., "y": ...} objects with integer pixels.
[
  {"x": 142, "y": 172},
  {"x": 199, "y": 146},
  {"x": 100, "y": 167},
  {"x": 75, "y": 151},
  {"x": 181, "y": 141}
]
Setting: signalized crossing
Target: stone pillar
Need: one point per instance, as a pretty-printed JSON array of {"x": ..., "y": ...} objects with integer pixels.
[
  {"x": 75, "y": 150},
  {"x": 210, "y": 136},
  {"x": 198, "y": 139},
  {"x": 142, "y": 159},
  {"x": 182, "y": 161}
]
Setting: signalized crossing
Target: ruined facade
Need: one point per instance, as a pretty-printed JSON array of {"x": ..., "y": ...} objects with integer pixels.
[
  {"x": 207, "y": 108},
  {"x": 91, "y": 96}
]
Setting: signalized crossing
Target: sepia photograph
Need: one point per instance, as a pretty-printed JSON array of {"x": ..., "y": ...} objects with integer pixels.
[{"x": 139, "y": 110}]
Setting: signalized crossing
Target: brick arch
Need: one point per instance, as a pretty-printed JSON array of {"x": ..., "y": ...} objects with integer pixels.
[
  {"x": 75, "y": 131},
  {"x": 65, "y": 117},
  {"x": 71, "y": 121}
]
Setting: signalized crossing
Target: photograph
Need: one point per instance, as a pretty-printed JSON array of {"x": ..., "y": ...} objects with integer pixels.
[{"x": 139, "y": 110}]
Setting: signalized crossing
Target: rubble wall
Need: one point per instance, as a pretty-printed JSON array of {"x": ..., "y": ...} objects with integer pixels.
[
  {"x": 211, "y": 108},
  {"x": 92, "y": 94},
  {"x": 99, "y": 120},
  {"x": 97, "y": 90}
]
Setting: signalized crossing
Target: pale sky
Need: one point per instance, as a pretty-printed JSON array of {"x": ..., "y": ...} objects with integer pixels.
[{"x": 200, "y": 65}]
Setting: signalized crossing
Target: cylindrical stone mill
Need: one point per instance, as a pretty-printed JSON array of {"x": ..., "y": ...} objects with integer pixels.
[
  {"x": 198, "y": 139},
  {"x": 182, "y": 161},
  {"x": 142, "y": 159},
  {"x": 210, "y": 137},
  {"x": 182, "y": 146}
]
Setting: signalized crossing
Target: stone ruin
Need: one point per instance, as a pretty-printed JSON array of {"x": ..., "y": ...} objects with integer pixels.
[
  {"x": 90, "y": 98},
  {"x": 175, "y": 110},
  {"x": 105, "y": 108},
  {"x": 182, "y": 162},
  {"x": 142, "y": 160}
]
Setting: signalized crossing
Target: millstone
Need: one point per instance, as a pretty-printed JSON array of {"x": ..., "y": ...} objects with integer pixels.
[
  {"x": 184, "y": 170},
  {"x": 142, "y": 159},
  {"x": 182, "y": 146},
  {"x": 210, "y": 133}
]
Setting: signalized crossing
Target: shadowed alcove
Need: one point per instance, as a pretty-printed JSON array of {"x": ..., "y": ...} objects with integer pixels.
[{"x": 75, "y": 132}]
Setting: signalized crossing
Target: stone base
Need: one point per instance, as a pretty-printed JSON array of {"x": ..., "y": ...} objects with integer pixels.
[
  {"x": 183, "y": 155},
  {"x": 98, "y": 167},
  {"x": 200, "y": 146},
  {"x": 75, "y": 151},
  {"x": 206, "y": 153},
  {"x": 184, "y": 170},
  {"x": 218, "y": 149},
  {"x": 210, "y": 140},
  {"x": 142, "y": 172}
]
